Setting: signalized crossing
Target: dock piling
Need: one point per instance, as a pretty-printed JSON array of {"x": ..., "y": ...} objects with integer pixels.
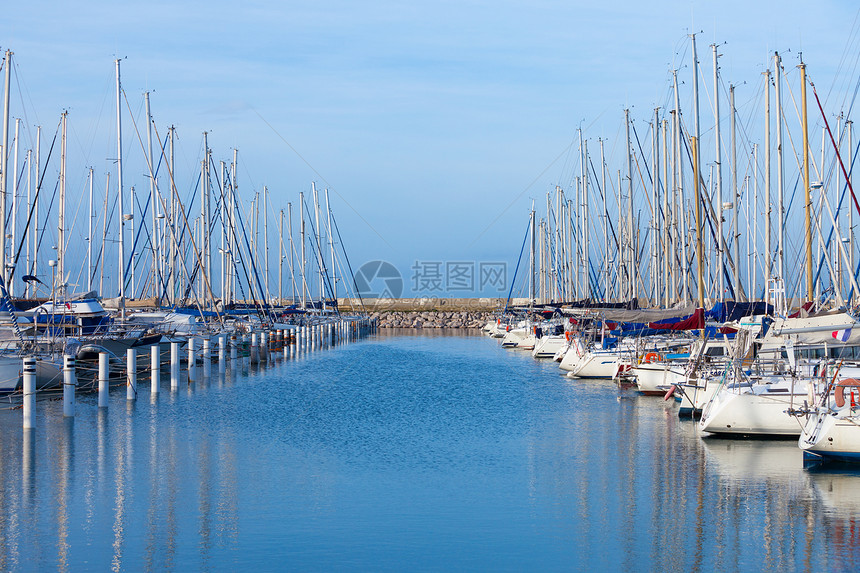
[
  {"x": 104, "y": 380},
  {"x": 154, "y": 368},
  {"x": 131, "y": 373},
  {"x": 29, "y": 393},
  {"x": 69, "y": 383}
]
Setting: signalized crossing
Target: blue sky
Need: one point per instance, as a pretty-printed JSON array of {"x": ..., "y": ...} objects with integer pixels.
[{"x": 426, "y": 120}]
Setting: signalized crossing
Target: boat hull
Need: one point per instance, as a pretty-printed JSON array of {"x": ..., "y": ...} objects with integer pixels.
[
  {"x": 831, "y": 437},
  {"x": 733, "y": 413}
]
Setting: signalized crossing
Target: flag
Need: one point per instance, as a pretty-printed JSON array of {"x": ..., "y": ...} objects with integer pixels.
[{"x": 841, "y": 335}]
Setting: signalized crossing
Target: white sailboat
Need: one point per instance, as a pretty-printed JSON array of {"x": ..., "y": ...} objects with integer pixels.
[{"x": 832, "y": 429}]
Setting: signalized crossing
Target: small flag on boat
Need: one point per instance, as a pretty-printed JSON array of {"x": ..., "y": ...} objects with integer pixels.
[{"x": 842, "y": 335}]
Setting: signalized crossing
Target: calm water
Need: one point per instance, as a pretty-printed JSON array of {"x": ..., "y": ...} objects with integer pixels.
[{"x": 409, "y": 451}]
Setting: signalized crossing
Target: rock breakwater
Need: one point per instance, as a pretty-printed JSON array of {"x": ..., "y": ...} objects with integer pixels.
[{"x": 432, "y": 319}]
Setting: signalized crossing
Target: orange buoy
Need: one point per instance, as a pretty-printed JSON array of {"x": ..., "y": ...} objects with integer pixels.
[{"x": 651, "y": 357}]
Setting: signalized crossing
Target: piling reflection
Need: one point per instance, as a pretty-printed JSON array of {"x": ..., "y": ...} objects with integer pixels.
[
  {"x": 65, "y": 462},
  {"x": 152, "y": 535}
]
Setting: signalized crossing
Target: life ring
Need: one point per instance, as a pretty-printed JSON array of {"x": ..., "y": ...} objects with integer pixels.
[
  {"x": 840, "y": 390},
  {"x": 651, "y": 357}
]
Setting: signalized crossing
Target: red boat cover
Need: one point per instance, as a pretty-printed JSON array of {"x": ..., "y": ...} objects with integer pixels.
[{"x": 692, "y": 322}]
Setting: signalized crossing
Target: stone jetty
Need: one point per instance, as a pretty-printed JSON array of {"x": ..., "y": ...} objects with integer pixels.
[{"x": 432, "y": 319}]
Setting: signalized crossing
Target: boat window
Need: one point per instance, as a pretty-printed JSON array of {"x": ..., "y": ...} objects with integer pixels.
[
  {"x": 843, "y": 352},
  {"x": 715, "y": 351}
]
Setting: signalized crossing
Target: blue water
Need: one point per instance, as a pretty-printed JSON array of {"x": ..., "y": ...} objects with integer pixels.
[{"x": 409, "y": 451}]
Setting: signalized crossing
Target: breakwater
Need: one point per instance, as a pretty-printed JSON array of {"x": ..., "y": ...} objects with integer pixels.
[{"x": 431, "y": 319}]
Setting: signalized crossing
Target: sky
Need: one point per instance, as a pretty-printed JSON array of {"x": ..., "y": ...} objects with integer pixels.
[{"x": 434, "y": 125}]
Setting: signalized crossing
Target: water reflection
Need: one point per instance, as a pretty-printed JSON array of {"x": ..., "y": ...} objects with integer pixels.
[
  {"x": 838, "y": 489},
  {"x": 65, "y": 460},
  {"x": 375, "y": 455}
]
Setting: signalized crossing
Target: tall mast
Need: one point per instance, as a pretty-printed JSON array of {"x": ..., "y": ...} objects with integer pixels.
[
  {"x": 532, "y": 257},
  {"x": 36, "y": 201},
  {"x": 696, "y": 157},
  {"x": 735, "y": 201},
  {"x": 681, "y": 226},
  {"x": 225, "y": 228},
  {"x": 780, "y": 183},
  {"x": 90, "y": 237},
  {"x": 61, "y": 229},
  {"x": 768, "y": 250},
  {"x": 568, "y": 225},
  {"x": 666, "y": 246},
  {"x": 266, "y": 239},
  {"x": 15, "y": 205},
  {"x": 320, "y": 263},
  {"x": 753, "y": 268},
  {"x": 618, "y": 285},
  {"x": 605, "y": 224},
  {"x": 104, "y": 234},
  {"x": 290, "y": 251},
  {"x": 674, "y": 272},
  {"x": 29, "y": 158},
  {"x": 174, "y": 245},
  {"x": 5, "y": 164},
  {"x": 302, "y": 235},
  {"x": 153, "y": 201},
  {"x": 583, "y": 173},
  {"x": 721, "y": 289},
  {"x": 121, "y": 268},
  {"x": 331, "y": 248},
  {"x": 698, "y": 209},
  {"x": 234, "y": 239},
  {"x": 632, "y": 247},
  {"x": 281, "y": 260},
  {"x": 848, "y": 127},
  {"x": 132, "y": 199},
  {"x": 204, "y": 217},
  {"x": 807, "y": 209},
  {"x": 550, "y": 251},
  {"x": 655, "y": 209}
]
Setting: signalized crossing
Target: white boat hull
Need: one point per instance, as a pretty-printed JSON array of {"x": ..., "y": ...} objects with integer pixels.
[
  {"x": 657, "y": 378},
  {"x": 750, "y": 413},
  {"x": 832, "y": 435},
  {"x": 549, "y": 346}
]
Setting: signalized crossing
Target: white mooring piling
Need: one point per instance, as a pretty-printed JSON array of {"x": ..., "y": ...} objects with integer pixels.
[
  {"x": 131, "y": 373},
  {"x": 154, "y": 368},
  {"x": 29, "y": 393},
  {"x": 222, "y": 352},
  {"x": 233, "y": 352},
  {"x": 174, "y": 365},
  {"x": 207, "y": 357},
  {"x": 192, "y": 359},
  {"x": 70, "y": 381},
  {"x": 104, "y": 379}
]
